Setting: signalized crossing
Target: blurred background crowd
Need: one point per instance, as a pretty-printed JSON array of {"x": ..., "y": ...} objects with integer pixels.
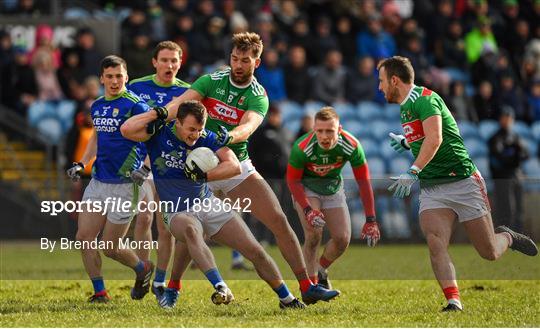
[{"x": 482, "y": 57}]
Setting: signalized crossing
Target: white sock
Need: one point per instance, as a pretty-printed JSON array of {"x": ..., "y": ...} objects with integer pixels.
[
  {"x": 287, "y": 299},
  {"x": 159, "y": 284}
]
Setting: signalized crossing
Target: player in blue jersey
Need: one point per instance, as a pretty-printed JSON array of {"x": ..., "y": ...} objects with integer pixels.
[
  {"x": 111, "y": 185},
  {"x": 157, "y": 90},
  {"x": 183, "y": 189}
]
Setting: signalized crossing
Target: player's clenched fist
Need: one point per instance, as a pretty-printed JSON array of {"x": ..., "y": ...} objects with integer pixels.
[
  {"x": 138, "y": 176},
  {"x": 370, "y": 231},
  {"x": 314, "y": 217}
]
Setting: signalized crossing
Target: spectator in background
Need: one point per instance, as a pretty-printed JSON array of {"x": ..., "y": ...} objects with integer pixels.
[
  {"x": 408, "y": 29},
  {"x": 362, "y": 83},
  {"x": 173, "y": 11},
  {"x": 44, "y": 44},
  {"x": 329, "y": 82},
  {"x": 520, "y": 37},
  {"x": 345, "y": 36},
  {"x": 30, "y": 8},
  {"x": 269, "y": 149},
  {"x": 70, "y": 75},
  {"x": 324, "y": 40},
  {"x": 534, "y": 100},
  {"x": 47, "y": 81},
  {"x": 19, "y": 86},
  {"x": 89, "y": 56},
  {"x": 438, "y": 24},
  {"x": 135, "y": 24},
  {"x": 511, "y": 95},
  {"x": 204, "y": 11},
  {"x": 531, "y": 61},
  {"x": 450, "y": 49},
  {"x": 235, "y": 21},
  {"x": 137, "y": 55},
  {"x": 271, "y": 76},
  {"x": 301, "y": 36},
  {"x": 208, "y": 50},
  {"x": 507, "y": 152},
  {"x": 374, "y": 41},
  {"x": 286, "y": 15},
  {"x": 480, "y": 38},
  {"x": 461, "y": 105},
  {"x": 306, "y": 125},
  {"x": 484, "y": 102},
  {"x": 297, "y": 78}
]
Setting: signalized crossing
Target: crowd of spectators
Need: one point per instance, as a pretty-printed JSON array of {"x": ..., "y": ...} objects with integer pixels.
[{"x": 479, "y": 55}]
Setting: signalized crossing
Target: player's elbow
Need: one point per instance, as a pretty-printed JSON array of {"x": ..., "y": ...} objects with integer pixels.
[
  {"x": 126, "y": 130},
  {"x": 236, "y": 168}
]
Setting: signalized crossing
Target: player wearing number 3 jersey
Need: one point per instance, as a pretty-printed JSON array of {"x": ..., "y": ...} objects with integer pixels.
[
  {"x": 314, "y": 178},
  {"x": 451, "y": 187}
]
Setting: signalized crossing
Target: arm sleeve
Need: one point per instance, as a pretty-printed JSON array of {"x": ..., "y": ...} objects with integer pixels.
[
  {"x": 259, "y": 104},
  {"x": 361, "y": 173},
  {"x": 427, "y": 107},
  {"x": 211, "y": 141},
  {"x": 139, "y": 107},
  {"x": 202, "y": 84},
  {"x": 294, "y": 177}
]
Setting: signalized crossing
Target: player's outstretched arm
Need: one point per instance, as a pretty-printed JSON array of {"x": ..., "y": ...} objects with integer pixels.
[
  {"x": 249, "y": 123},
  {"x": 433, "y": 132},
  {"x": 228, "y": 167},
  {"x": 172, "y": 106},
  {"x": 136, "y": 127}
]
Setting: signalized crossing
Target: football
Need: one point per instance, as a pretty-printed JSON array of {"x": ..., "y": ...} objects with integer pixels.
[{"x": 203, "y": 157}]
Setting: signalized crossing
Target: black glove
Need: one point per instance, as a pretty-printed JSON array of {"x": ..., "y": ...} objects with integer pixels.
[
  {"x": 138, "y": 176},
  {"x": 223, "y": 137},
  {"x": 196, "y": 174},
  {"x": 154, "y": 126},
  {"x": 73, "y": 172},
  {"x": 161, "y": 111}
]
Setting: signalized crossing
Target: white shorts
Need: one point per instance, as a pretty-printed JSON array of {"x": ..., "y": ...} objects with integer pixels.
[
  {"x": 116, "y": 194},
  {"x": 212, "y": 221},
  {"x": 227, "y": 185},
  {"x": 467, "y": 197},
  {"x": 336, "y": 200}
]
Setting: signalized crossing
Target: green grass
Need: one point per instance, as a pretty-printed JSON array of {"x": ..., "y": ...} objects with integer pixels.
[{"x": 389, "y": 286}]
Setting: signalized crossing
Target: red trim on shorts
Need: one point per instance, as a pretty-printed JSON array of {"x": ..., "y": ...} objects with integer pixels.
[{"x": 482, "y": 185}]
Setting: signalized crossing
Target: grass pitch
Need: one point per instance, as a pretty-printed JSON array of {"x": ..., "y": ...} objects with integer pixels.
[{"x": 389, "y": 286}]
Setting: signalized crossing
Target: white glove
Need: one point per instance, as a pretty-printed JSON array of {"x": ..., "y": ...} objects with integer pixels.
[
  {"x": 404, "y": 182},
  {"x": 399, "y": 143}
]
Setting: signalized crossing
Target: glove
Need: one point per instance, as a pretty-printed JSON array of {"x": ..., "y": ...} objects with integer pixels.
[
  {"x": 404, "y": 182},
  {"x": 138, "y": 176},
  {"x": 196, "y": 174},
  {"x": 161, "y": 111},
  {"x": 314, "y": 217},
  {"x": 73, "y": 172},
  {"x": 154, "y": 126},
  {"x": 370, "y": 231},
  {"x": 399, "y": 143},
  {"x": 223, "y": 137}
]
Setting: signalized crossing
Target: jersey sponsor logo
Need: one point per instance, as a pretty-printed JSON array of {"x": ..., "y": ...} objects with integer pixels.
[
  {"x": 323, "y": 170},
  {"x": 173, "y": 161},
  {"x": 414, "y": 131},
  {"x": 108, "y": 125},
  {"x": 169, "y": 142},
  {"x": 219, "y": 111}
]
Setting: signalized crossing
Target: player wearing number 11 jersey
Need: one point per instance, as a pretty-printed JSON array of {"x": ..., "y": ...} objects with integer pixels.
[{"x": 314, "y": 178}]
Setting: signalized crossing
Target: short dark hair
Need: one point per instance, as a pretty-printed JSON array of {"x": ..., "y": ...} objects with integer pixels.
[
  {"x": 399, "y": 66},
  {"x": 326, "y": 113},
  {"x": 112, "y": 61},
  {"x": 171, "y": 45},
  {"x": 194, "y": 108},
  {"x": 248, "y": 41}
]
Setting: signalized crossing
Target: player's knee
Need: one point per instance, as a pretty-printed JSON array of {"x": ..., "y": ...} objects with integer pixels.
[
  {"x": 111, "y": 252},
  {"x": 277, "y": 221},
  {"x": 192, "y": 233},
  {"x": 313, "y": 238},
  {"x": 144, "y": 221},
  {"x": 342, "y": 242},
  {"x": 435, "y": 244},
  {"x": 84, "y": 236}
]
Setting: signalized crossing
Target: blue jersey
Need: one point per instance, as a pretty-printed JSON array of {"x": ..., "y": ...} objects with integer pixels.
[
  {"x": 116, "y": 156},
  {"x": 155, "y": 94},
  {"x": 168, "y": 157}
]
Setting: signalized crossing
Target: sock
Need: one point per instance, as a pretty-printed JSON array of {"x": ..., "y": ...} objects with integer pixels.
[
  {"x": 509, "y": 237},
  {"x": 99, "y": 285},
  {"x": 139, "y": 267},
  {"x": 284, "y": 294},
  {"x": 175, "y": 284},
  {"x": 314, "y": 279},
  {"x": 237, "y": 257},
  {"x": 303, "y": 279},
  {"x": 452, "y": 295},
  {"x": 214, "y": 277},
  {"x": 160, "y": 276},
  {"x": 325, "y": 263}
]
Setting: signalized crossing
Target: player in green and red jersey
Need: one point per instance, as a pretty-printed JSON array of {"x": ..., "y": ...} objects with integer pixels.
[
  {"x": 451, "y": 187},
  {"x": 236, "y": 105},
  {"x": 314, "y": 178}
]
